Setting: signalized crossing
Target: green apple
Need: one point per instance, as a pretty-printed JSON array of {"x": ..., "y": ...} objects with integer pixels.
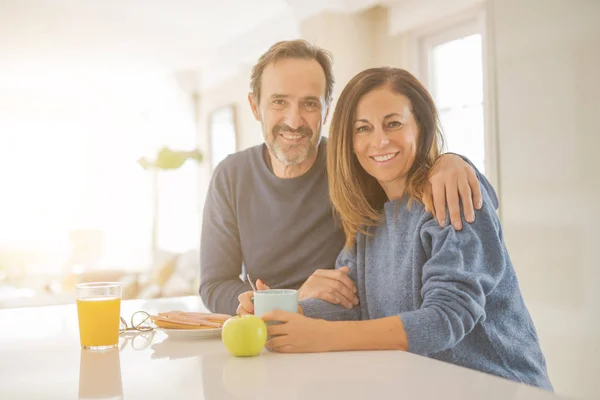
[{"x": 244, "y": 336}]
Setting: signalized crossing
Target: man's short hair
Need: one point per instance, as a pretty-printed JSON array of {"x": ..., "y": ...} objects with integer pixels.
[{"x": 299, "y": 49}]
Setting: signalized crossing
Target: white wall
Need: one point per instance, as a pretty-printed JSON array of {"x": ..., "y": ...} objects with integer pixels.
[
  {"x": 233, "y": 91},
  {"x": 547, "y": 58}
]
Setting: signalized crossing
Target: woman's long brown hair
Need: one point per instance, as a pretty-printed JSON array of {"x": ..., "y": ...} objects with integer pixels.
[{"x": 357, "y": 197}]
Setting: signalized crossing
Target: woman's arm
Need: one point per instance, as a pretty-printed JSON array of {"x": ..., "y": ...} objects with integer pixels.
[
  {"x": 377, "y": 334},
  {"x": 312, "y": 329},
  {"x": 317, "y": 308},
  {"x": 463, "y": 267},
  {"x": 299, "y": 334}
]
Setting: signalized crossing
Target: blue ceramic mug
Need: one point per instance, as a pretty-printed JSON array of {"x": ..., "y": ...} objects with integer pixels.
[{"x": 275, "y": 299}]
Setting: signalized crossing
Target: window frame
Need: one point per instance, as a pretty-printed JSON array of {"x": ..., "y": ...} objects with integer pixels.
[{"x": 465, "y": 23}]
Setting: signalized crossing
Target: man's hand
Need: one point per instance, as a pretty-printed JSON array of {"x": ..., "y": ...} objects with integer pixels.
[
  {"x": 246, "y": 305},
  {"x": 333, "y": 286},
  {"x": 450, "y": 177}
]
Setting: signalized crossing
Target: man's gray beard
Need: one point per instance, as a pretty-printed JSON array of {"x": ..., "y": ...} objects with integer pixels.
[{"x": 298, "y": 158}]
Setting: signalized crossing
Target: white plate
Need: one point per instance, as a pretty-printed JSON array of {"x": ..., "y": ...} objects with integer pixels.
[{"x": 192, "y": 333}]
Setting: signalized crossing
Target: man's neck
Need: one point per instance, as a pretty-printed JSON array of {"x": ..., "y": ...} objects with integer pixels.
[{"x": 283, "y": 171}]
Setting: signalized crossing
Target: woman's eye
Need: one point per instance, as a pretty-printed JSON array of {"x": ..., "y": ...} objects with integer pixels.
[
  {"x": 362, "y": 129},
  {"x": 394, "y": 124}
]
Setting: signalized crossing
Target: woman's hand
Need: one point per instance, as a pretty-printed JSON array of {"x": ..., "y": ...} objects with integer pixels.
[
  {"x": 297, "y": 333},
  {"x": 246, "y": 305}
]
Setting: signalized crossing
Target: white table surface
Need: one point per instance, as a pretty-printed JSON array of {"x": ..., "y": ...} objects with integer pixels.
[{"x": 40, "y": 358}]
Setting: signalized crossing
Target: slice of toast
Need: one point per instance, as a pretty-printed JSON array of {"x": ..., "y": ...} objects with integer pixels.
[
  {"x": 185, "y": 320},
  {"x": 174, "y": 325}
]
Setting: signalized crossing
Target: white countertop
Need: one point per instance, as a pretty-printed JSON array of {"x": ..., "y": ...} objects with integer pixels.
[{"x": 40, "y": 358}]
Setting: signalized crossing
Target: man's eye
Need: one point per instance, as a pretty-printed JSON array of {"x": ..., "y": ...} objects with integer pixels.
[
  {"x": 311, "y": 104},
  {"x": 278, "y": 102}
]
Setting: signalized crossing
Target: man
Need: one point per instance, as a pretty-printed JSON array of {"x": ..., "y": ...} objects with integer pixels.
[{"x": 268, "y": 213}]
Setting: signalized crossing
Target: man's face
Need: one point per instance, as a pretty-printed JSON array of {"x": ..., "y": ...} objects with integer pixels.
[{"x": 292, "y": 109}]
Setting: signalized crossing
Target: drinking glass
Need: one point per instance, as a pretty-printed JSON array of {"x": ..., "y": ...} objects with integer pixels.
[{"x": 98, "y": 311}]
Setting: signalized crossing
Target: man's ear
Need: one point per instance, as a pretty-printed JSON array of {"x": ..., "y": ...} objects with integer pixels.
[{"x": 253, "y": 101}]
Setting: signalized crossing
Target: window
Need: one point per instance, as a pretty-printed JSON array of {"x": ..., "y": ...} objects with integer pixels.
[
  {"x": 452, "y": 66},
  {"x": 223, "y": 134}
]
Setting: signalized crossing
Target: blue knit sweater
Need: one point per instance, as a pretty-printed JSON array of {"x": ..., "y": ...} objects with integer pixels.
[{"x": 456, "y": 292}]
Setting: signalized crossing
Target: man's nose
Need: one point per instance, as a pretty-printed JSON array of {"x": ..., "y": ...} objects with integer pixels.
[{"x": 293, "y": 117}]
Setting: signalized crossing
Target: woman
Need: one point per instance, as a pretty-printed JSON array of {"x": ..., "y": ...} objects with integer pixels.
[{"x": 446, "y": 294}]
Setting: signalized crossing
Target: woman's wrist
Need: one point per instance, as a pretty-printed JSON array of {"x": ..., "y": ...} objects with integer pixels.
[
  {"x": 379, "y": 334},
  {"x": 332, "y": 335}
]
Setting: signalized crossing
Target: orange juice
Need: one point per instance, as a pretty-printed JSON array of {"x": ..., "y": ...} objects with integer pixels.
[{"x": 99, "y": 321}]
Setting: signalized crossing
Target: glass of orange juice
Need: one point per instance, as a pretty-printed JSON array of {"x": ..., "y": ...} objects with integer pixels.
[{"x": 99, "y": 311}]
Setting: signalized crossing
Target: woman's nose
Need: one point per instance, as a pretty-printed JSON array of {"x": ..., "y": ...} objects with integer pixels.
[{"x": 380, "y": 139}]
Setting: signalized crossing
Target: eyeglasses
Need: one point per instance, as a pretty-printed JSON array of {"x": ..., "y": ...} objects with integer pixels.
[
  {"x": 139, "y": 340},
  {"x": 140, "y": 322},
  {"x": 140, "y": 333}
]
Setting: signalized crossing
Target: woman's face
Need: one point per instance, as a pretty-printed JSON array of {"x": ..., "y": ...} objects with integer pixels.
[{"x": 385, "y": 138}]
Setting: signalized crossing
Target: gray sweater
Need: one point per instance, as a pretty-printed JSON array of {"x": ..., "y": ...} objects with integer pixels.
[
  {"x": 456, "y": 292},
  {"x": 278, "y": 230}
]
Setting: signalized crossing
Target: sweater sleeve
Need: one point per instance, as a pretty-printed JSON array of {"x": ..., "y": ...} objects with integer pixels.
[
  {"x": 463, "y": 267},
  {"x": 317, "y": 308},
  {"x": 221, "y": 254}
]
